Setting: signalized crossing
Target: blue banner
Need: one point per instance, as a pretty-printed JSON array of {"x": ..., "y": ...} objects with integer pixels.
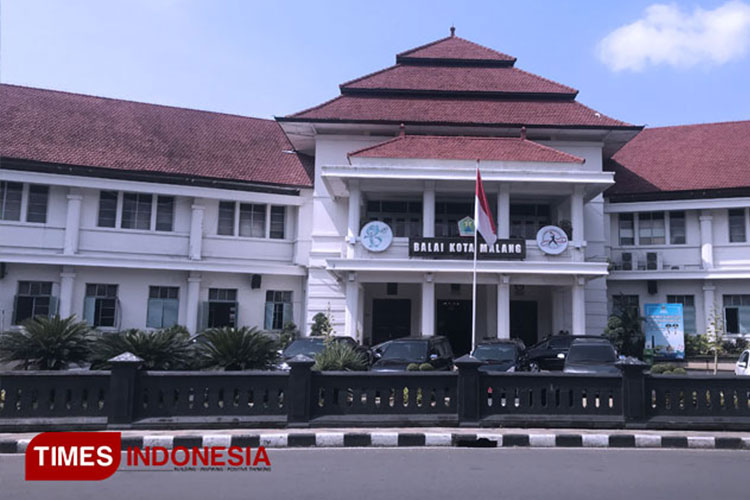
[{"x": 665, "y": 331}]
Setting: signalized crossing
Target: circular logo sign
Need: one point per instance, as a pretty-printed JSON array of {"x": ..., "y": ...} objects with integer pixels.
[
  {"x": 552, "y": 240},
  {"x": 376, "y": 236}
]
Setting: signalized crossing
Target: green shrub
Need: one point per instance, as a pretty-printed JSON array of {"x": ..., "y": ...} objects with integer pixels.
[
  {"x": 426, "y": 367},
  {"x": 288, "y": 335},
  {"x": 167, "y": 349},
  {"x": 412, "y": 367},
  {"x": 667, "y": 369},
  {"x": 339, "y": 356},
  {"x": 696, "y": 345},
  {"x": 47, "y": 343},
  {"x": 321, "y": 325},
  {"x": 237, "y": 349}
]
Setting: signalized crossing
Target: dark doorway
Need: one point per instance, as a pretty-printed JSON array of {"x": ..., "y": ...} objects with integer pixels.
[
  {"x": 454, "y": 321},
  {"x": 523, "y": 321},
  {"x": 391, "y": 319}
]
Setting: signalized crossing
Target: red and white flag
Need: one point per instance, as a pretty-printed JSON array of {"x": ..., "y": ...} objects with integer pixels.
[{"x": 482, "y": 215}]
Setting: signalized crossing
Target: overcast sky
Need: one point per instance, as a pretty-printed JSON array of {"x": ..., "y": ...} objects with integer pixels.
[{"x": 638, "y": 61}]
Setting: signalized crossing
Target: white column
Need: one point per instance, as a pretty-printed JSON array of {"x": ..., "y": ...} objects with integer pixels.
[
  {"x": 195, "y": 246},
  {"x": 579, "y": 306},
  {"x": 352, "y": 303},
  {"x": 558, "y": 309},
  {"x": 72, "y": 222},
  {"x": 67, "y": 283},
  {"x": 707, "y": 240},
  {"x": 576, "y": 219},
  {"x": 503, "y": 307},
  {"x": 503, "y": 212},
  {"x": 428, "y": 305},
  {"x": 428, "y": 210},
  {"x": 353, "y": 222},
  {"x": 193, "y": 299},
  {"x": 709, "y": 303}
]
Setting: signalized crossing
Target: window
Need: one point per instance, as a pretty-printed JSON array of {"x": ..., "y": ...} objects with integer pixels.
[
  {"x": 651, "y": 228},
  {"x": 737, "y": 313},
  {"x": 164, "y": 213},
  {"x": 136, "y": 211},
  {"x": 677, "y": 231},
  {"x": 163, "y": 306},
  {"x": 107, "y": 209},
  {"x": 527, "y": 219},
  {"x": 36, "y": 207},
  {"x": 626, "y": 225},
  {"x": 623, "y": 303},
  {"x": 447, "y": 215},
  {"x": 737, "y": 225},
  {"x": 226, "y": 218},
  {"x": 278, "y": 309},
  {"x": 278, "y": 222},
  {"x": 10, "y": 200},
  {"x": 688, "y": 310},
  {"x": 34, "y": 299},
  {"x": 403, "y": 216},
  {"x": 222, "y": 307},
  {"x": 252, "y": 220},
  {"x": 100, "y": 304}
]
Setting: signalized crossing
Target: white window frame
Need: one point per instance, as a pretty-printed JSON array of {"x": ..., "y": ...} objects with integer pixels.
[
  {"x": 152, "y": 221},
  {"x": 266, "y": 230}
]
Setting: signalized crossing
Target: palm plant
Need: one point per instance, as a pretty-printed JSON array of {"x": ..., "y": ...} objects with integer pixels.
[
  {"x": 47, "y": 343},
  {"x": 339, "y": 356},
  {"x": 167, "y": 349},
  {"x": 625, "y": 331},
  {"x": 237, "y": 349}
]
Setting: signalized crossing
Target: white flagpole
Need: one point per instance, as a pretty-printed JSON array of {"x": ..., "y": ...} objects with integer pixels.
[{"x": 474, "y": 277}]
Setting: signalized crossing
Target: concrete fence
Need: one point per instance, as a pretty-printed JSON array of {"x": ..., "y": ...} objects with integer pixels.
[{"x": 127, "y": 397}]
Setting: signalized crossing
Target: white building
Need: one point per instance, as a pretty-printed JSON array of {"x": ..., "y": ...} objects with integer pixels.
[{"x": 139, "y": 216}]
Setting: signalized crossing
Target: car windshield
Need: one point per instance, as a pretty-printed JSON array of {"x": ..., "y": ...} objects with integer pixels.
[
  {"x": 308, "y": 347},
  {"x": 495, "y": 352},
  {"x": 560, "y": 342},
  {"x": 408, "y": 351},
  {"x": 591, "y": 354}
]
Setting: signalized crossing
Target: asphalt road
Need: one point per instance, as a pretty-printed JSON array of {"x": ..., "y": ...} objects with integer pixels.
[{"x": 424, "y": 473}]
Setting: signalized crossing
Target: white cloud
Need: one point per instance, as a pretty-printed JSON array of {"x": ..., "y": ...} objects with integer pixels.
[{"x": 668, "y": 35}]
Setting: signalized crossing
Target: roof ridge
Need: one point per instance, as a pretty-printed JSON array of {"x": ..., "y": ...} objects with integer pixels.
[
  {"x": 313, "y": 107},
  {"x": 487, "y": 48},
  {"x": 130, "y": 101},
  {"x": 424, "y": 46},
  {"x": 575, "y": 91},
  {"x": 362, "y": 150},
  {"x": 704, "y": 124},
  {"x": 341, "y": 86},
  {"x": 504, "y": 56}
]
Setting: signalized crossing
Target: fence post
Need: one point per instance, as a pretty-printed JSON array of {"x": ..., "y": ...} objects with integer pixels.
[
  {"x": 298, "y": 391},
  {"x": 633, "y": 389},
  {"x": 122, "y": 381},
  {"x": 468, "y": 390}
]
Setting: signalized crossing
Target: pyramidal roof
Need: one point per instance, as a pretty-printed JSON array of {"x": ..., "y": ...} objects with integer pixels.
[{"x": 456, "y": 81}]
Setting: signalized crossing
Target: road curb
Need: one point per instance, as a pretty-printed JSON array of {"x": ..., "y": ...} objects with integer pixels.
[{"x": 380, "y": 438}]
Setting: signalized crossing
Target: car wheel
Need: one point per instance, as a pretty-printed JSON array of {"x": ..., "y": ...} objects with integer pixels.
[{"x": 534, "y": 367}]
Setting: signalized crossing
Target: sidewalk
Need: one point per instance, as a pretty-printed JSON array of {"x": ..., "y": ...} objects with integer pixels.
[{"x": 419, "y": 437}]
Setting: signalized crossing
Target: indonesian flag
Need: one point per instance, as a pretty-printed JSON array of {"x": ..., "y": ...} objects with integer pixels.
[{"x": 482, "y": 215}]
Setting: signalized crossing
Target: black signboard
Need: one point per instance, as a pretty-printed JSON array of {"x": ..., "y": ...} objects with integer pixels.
[{"x": 463, "y": 248}]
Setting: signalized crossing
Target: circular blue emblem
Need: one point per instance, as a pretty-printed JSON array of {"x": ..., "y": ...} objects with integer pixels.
[{"x": 376, "y": 236}]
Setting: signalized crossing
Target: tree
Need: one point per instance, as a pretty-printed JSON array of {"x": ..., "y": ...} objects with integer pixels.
[
  {"x": 47, "y": 343},
  {"x": 321, "y": 325},
  {"x": 715, "y": 334},
  {"x": 625, "y": 331}
]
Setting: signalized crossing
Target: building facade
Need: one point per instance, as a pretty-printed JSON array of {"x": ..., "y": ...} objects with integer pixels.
[{"x": 132, "y": 215}]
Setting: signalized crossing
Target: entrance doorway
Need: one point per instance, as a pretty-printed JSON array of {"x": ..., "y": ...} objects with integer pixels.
[
  {"x": 523, "y": 321},
  {"x": 454, "y": 321},
  {"x": 391, "y": 319}
]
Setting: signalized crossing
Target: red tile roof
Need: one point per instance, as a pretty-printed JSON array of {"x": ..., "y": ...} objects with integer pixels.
[
  {"x": 702, "y": 157},
  {"x": 456, "y": 110},
  {"x": 458, "y": 79},
  {"x": 64, "y": 128},
  {"x": 455, "y": 48},
  {"x": 466, "y": 148}
]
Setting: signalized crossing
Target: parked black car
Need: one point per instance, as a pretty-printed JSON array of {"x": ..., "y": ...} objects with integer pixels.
[
  {"x": 397, "y": 355},
  {"x": 550, "y": 353},
  {"x": 502, "y": 355},
  {"x": 310, "y": 346},
  {"x": 591, "y": 356}
]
